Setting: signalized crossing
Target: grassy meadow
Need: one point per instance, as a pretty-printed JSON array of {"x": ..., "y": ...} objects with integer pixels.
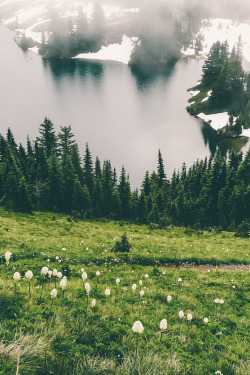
[{"x": 82, "y": 333}]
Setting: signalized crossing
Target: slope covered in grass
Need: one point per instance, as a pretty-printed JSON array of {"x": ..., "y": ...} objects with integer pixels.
[{"x": 69, "y": 335}]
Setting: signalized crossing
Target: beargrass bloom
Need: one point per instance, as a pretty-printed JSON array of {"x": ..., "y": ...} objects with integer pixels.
[
  {"x": 53, "y": 293},
  {"x": 163, "y": 324},
  {"x": 54, "y": 272},
  {"x": 97, "y": 273},
  {"x": 221, "y": 301},
  {"x": 93, "y": 303},
  {"x": 180, "y": 280},
  {"x": 29, "y": 275},
  {"x": 107, "y": 292},
  {"x": 59, "y": 275},
  {"x": 205, "y": 320},
  {"x": 49, "y": 273},
  {"x": 65, "y": 278},
  {"x": 169, "y": 299},
  {"x": 87, "y": 288},
  {"x": 84, "y": 276},
  {"x": 134, "y": 287},
  {"x": 189, "y": 317},
  {"x": 117, "y": 281},
  {"x": 140, "y": 282},
  {"x": 146, "y": 276},
  {"x": 137, "y": 327},
  {"x": 63, "y": 283},
  {"x": 44, "y": 271},
  {"x": 216, "y": 300},
  {"x": 141, "y": 293},
  {"x": 7, "y": 257},
  {"x": 181, "y": 314},
  {"x": 16, "y": 276}
]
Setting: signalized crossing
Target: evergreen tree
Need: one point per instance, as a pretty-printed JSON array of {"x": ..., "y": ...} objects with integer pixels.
[
  {"x": 48, "y": 137},
  {"x": 98, "y": 198},
  {"x": 98, "y": 170},
  {"x": 146, "y": 184},
  {"x": 54, "y": 189},
  {"x": 65, "y": 141},
  {"x": 68, "y": 181},
  {"x": 107, "y": 188},
  {"x": 124, "y": 194},
  {"x": 88, "y": 174},
  {"x": 77, "y": 163},
  {"x": 160, "y": 169},
  {"x": 23, "y": 199}
]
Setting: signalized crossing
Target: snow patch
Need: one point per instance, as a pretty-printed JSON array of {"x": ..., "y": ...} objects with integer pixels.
[
  {"x": 246, "y": 132},
  {"x": 194, "y": 93},
  {"x": 208, "y": 94},
  {"x": 217, "y": 120},
  {"x": 188, "y": 52},
  {"x": 219, "y": 29},
  {"x": 118, "y": 51}
]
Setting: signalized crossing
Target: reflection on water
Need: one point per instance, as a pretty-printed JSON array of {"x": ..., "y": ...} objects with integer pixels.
[
  {"x": 72, "y": 68},
  {"x": 225, "y": 146},
  {"x": 150, "y": 77}
]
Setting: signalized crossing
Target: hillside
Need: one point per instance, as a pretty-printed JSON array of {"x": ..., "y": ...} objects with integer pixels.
[{"x": 85, "y": 326}]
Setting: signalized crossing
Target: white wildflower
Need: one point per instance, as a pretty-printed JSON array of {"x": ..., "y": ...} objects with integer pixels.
[
  {"x": 44, "y": 271},
  {"x": 7, "y": 256},
  {"x": 163, "y": 324},
  {"x": 107, "y": 292},
  {"x": 54, "y": 272},
  {"x": 63, "y": 283},
  {"x": 87, "y": 288},
  {"x": 137, "y": 327},
  {"x": 189, "y": 316},
  {"x": 53, "y": 293},
  {"x": 84, "y": 276},
  {"x": 29, "y": 275},
  {"x": 16, "y": 276},
  {"x": 181, "y": 314}
]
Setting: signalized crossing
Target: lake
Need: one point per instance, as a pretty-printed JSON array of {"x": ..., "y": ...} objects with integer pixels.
[{"x": 123, "y": 116}]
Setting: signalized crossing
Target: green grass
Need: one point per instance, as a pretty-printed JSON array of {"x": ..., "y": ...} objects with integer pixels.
[{"x": 69, "y": 338}]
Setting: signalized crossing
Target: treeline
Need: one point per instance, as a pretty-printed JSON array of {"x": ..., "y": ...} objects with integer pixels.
[
  {"x": 163, "y": 29},
  {"x": 223, "y": 74},
  {"x": 50, "y": 175},
  {"x": 73, "y": 36}
]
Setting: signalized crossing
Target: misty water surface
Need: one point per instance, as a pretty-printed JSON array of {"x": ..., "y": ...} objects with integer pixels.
[{"x": 124, "y": 117}]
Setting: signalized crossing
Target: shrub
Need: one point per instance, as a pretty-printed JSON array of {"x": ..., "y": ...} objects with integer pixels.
[
  {"x": 243, "y": 230},
  {"x": 122, "y": 246}
]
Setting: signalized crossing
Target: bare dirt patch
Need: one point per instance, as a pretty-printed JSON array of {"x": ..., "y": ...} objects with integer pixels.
[{"x": 205, "y": 268}]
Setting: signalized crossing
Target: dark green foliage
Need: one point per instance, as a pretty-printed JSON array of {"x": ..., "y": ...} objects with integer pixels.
[
  {"x": 122, "y": 246},
  {"x": 224, "y": 76},
  {"x": 47, "y": 137},
  {"x": 212, "y": 192},
  {"x": 243, "y": 230}
]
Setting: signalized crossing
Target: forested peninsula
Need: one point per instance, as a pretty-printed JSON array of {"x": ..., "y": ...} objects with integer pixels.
[
  {"x": 50, "y": 175},
  {"x": 224, "y": 87}
]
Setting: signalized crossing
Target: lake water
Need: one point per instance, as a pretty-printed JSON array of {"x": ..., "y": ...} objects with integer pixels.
[{"x": 124, "y": 117}]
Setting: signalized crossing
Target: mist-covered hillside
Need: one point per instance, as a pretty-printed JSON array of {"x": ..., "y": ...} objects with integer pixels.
[{"x": 159, "y": 32}]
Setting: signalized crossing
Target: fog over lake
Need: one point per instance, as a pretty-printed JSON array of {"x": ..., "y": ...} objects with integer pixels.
[{"x": 123, "y": 116}]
